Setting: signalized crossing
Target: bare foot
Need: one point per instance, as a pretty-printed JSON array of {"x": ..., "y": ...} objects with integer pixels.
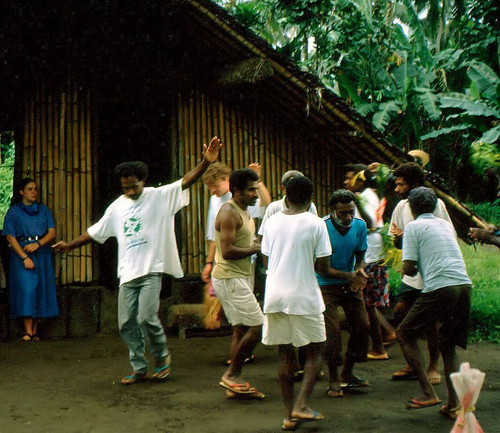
[
  {"x": 334, "y": 390},
  {"x": 307, "y": 414},
  {"x": 434, "y": 377},
  {"x": 423, "y": 402},
  {"x": 377, "y": 356},
  {"x": 235, "y": 382},
  {"x": 389, "y": 339}
]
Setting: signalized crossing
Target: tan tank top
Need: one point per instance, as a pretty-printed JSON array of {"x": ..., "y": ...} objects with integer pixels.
[{"x": 241, "y": 268}]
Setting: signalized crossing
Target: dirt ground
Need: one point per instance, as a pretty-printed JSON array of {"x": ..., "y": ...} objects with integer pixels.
[{"x": 73, "y": 386}]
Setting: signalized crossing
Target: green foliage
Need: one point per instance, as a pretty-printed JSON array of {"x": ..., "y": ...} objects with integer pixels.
[
  {"x": 6, "y": 172},
  {"x": 483, "y": 270},
  {"x": 488, "y": 211},
  {"x": 429, "y": 83}
]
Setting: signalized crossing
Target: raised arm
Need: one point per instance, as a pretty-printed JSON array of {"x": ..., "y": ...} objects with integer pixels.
[
  {"x": 210, "y": 154},
  {"x": 264, "y": 194},
  {"x": 227, "y": 223}
]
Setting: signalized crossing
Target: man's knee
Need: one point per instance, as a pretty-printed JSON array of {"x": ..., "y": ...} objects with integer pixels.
[{"x": 403, "y": 336}]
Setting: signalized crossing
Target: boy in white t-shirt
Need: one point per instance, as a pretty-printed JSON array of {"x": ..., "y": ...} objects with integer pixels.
[
  {"x": 293, "y": 305},
  {"x": 142, "y": 221}
]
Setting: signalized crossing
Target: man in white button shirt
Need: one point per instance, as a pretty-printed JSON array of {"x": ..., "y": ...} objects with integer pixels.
[
  {"x": 430, "y": 246},
  {"x": 409, "y": 176}
]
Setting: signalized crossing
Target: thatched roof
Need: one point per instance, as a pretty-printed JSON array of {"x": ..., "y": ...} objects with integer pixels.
[
  {"x": 161, "y": 46},
  {"x": 298, "y": 94}
]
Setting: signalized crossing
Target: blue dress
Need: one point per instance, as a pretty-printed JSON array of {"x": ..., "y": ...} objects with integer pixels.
[{"x": 32, "y": 291}]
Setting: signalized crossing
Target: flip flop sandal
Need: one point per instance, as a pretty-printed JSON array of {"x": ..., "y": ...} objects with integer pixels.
[
  {"x": 334, "y": 392},
  {"x": 133, "y": 378},
  {"x": 35, "y": 337},
  {"x": 356, "y": 382},
  {"x": 415, "y": 404},
  {"x": 254, "y": 395},
  {"x": 316, "y": 416},
  {"x": 290, "y": 424},
  {"x": 403, "y": 375},
  {"x": 238, "y": 388},
  {"x": 26, "y": 337},
  {"x": 161, "y": 373},
  {"x": 450, "y": 413}
]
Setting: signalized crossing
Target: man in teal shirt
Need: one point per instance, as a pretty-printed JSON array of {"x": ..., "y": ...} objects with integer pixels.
[{"x": 343, "y": 286}]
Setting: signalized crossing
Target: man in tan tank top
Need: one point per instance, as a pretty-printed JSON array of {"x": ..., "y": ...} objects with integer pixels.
[{"x": 232, "y": 275}]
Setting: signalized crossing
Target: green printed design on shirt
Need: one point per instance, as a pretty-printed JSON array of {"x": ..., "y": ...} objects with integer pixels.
[{"x": 132, "y": 226}]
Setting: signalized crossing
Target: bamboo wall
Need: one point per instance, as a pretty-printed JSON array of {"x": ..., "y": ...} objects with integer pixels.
[
  {"x": 248, "y": 137},
  {"x": 57, "y": 154}
]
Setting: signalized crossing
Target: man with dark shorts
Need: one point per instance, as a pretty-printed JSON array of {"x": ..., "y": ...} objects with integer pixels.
[
  {"x": 430, "y": 246},
  {"x": 344, "y": 287},
  {"x": 409, "y": 176}
]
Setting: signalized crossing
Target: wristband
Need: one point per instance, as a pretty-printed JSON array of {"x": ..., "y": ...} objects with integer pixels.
[
  {"x": 24, "y": 258},
  {"x": 210, "y": 263},
  {"x": 39, "y": 244}
]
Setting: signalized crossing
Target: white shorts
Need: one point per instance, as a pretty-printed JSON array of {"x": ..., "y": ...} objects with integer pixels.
[
  {"x": 238, "y": 301},
  {"x": 282, "y": 328}
]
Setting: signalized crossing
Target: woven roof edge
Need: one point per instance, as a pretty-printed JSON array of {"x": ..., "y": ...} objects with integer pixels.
[{"x": 338, "y": 107}]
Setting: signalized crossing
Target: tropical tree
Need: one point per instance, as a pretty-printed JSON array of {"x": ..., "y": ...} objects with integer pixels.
[{"x": 424, "y": 72}]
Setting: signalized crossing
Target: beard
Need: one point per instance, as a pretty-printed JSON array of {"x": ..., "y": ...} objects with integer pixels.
[{"x": 341, "y": 223}]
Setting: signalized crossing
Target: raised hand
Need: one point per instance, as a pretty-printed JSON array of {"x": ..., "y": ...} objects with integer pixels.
[
  {"x": 211, "y": 152},
  {"x": 255, "y": 166}
]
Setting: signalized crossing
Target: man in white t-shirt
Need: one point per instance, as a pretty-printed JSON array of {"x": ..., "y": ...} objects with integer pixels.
[
  {"x": 283, "y": 204},
  {"x": 409, "y": 176},
  {"x": 142, "y": 221},
  {"x": 430, "y": 246},
  {"x": 293, "y": 241},
  {"x": 273, "y": 208},
  {"x": 360, "y": 181},
  {"x": 216, "y": 178}
]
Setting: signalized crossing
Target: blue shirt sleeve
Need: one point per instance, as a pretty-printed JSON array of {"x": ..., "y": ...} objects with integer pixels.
[
  {"x": 9, "y": 226},
  {"x": 49, "y": 218}
]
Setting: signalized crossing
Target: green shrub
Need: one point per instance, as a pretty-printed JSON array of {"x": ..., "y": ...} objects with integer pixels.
[
  {"x": 488, "y": 211},
  {"x": 6, "y": 172},
  {"x": 484, "y": 272}
]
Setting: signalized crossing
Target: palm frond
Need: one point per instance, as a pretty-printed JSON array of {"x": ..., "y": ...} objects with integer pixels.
[{"x": 382, "y": 117}]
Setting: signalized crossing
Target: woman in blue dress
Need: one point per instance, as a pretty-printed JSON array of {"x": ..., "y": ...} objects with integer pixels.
[{"x": 30, "y": 229}]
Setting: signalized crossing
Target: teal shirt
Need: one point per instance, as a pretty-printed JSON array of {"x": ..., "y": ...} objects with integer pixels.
[{"x": 344, "y": 248}]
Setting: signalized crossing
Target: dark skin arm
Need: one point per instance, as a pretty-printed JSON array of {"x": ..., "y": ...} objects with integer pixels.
[
  {"x": 410, "y": 268},
  {"x": 65, "y": 247},
  {"x": 355, "y": 279},
  {"x": 227, "y": 223},
  {"x": 210, "y": 154},
  {"x": 364, "y": 214}
]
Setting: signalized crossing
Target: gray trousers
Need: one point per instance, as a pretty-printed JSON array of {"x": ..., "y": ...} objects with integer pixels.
[{"x": 138, "y": 322}]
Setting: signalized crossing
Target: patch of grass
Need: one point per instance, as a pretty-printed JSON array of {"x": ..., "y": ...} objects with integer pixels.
[
  {"x": 484, "y": 271},
  {"x": 488, "y": 211},
  {"x": 483, "y": 267}
]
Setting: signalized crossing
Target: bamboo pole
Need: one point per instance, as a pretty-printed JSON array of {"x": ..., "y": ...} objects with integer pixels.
[{"x": 89, "y": 166}]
